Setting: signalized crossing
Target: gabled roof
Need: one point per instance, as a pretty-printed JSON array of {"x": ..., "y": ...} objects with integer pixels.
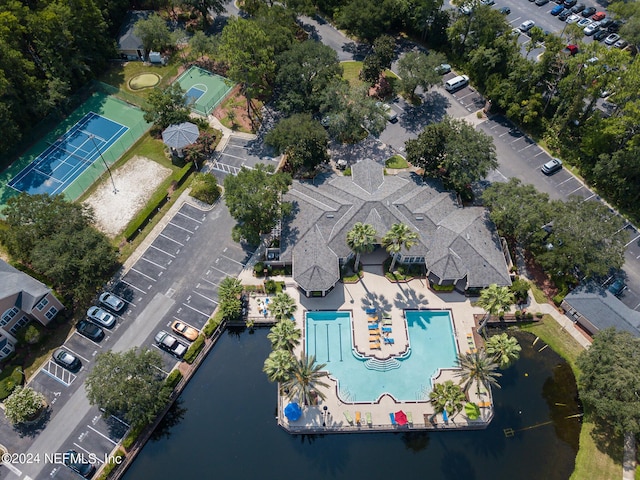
[
  {"x": 315, "y": 266},
  {"x": 127, "y": 40},
  {"x": 603, "y": 310},
  {"x": 13, "y": 282},
  {"x": 456, "y": 242}
]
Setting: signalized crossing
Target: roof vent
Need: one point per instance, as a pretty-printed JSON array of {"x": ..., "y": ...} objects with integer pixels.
[
  {"x": 419, "y": 218},
  {"x": 330, "y": 215}
]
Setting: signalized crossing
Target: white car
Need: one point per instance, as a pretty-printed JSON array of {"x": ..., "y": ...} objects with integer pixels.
[
  {"x": 526, "y": 26},
  {"x": 389, "y": 112},
  {"x": 574, "y": 18},
  {"x": 170, "y": 344},
  {"x": 611, "y": 39},
  {"x": 101, "y": 317},
  {"x": 591, "y": 29}
]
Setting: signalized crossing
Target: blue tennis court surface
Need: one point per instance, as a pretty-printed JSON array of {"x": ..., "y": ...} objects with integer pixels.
[
  {"x": 193, "y": 94},
  {"x": 63, "y": 161}
]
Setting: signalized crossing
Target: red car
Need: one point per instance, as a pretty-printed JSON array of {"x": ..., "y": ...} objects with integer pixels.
[
  {"x": 571, "y": 49},
  {"x": 598, "y": 16}
]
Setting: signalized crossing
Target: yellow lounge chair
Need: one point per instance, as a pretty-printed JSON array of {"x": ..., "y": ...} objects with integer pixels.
[
  {"x": 374, "y": 345},
  {"x": 368, "y": 417},
  {"x": 484, "y": 404},
  {"x": 410, "y": 418},
  {"x": 358, "y": 418},
  {"x": 372, "y": 319},
  {"x": 347, "y": 415}
]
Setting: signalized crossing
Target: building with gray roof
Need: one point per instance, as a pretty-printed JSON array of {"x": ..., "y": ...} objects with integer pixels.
[
  {"x": 595, "y": 308},
  {"x": 22, "y": 299},
  {"x": 458, "y": 246},
  {"x": 130, "y": 46}
]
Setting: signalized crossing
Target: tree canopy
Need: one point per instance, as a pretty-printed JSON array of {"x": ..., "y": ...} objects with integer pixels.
[
  {"x": 453, "y": 151},
  {"x": 253, "y": 197},
  {"x": 166, "y": 107},
  {"x": 417, "y": 69},
  {"x": 609, "y": 383},
  {"x": 154, "y": 33},
  {"x": 127, "y": 384},
  {"x": 56, "y": 238}
]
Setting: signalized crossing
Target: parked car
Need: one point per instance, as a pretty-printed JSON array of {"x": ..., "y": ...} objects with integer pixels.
[
  {"x": 170, "y": 344},
  {"x": 600, "y": 35},
  {"x": 615, "y": 26},
  {"x": 573, "y": 18},
  {"x": 584, "y": 23},
  {"x": 621, "y": 43},
  {"x": 101, "y": 317},
  {"x": 443, "y": 68},
  {"x": 591, "y": 29},
  {"x": 112, "y": 302},
  {"x": 184, "y": 330},
  {"x": 90, "y": 330},
  {"x": 551, "y": 166},
  {"x": 617, "y": 287},
  {"x": 505, "y": 10},
  {"x": 612, "y": 38},
  {"x": 571, "y": 49},
  {"x": 587, "y": 12},
  {"x": 557, "y": 10},
  {"x": 66, "y": 359},
  {"x": 488, "y": 2},
  {"x": 566, "y": 13},
  {"x": 389, "y": 112},
  {"x": 606, "y": 22},
  {"x": 527, "y": 25},
  {"x": 76, "y": 462},
  {"x": 541, "y": 2},
  {"x": 569, "y": 3},
  {"x": 578, "y": 8},
  {"x": 598, "y": 16}
]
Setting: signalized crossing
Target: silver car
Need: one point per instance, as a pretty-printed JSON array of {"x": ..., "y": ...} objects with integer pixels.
[
  {"x": 170, "y": 344},
  {"x": 101, "y": 317},
  {"x": 551, "y": 166},
  {"x": 112, "y": 302}
]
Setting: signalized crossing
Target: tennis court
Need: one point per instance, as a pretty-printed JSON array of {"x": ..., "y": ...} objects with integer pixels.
[
  {"x": 63, "y": 161},
  {"x": 75, "y": 153},
  {"x": 204, "y": 90}
]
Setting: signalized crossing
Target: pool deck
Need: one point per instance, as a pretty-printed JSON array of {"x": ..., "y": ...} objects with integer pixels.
[{"x": 333, "y": 415}]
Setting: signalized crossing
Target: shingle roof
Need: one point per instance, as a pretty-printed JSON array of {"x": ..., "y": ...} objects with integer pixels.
[
  {"x": 127, "y": 40},
  {"x": 456, "y": 242},
  {"x": 315, "y": 266},
  {"x": 28, "y": 289},
  {"x": 603, "y": 309}
]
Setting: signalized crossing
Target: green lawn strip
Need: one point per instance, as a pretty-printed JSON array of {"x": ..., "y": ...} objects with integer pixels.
[
  {"x": 119, "y": 75},
  {"x": 591, "y": 462},
  {"x": 351, "y": 73},
  {"x": 396, "y": 162},
  {"x": 538, "y": 294}
]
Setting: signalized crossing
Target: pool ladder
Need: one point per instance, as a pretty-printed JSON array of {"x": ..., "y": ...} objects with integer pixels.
[{"x": 382, "y": 365}]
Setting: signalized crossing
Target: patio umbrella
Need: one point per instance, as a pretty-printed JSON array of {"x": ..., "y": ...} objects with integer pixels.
[
  {"x": 180, "y": 135},
  {"x": 401, "y": 417},
  {"x": 292, "y": 412},
  {"x": 472, "y": 410}
]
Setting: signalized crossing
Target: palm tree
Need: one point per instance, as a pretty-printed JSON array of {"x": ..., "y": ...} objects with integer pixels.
[
  {"x": 278, "y": 365},
  {"x": 478, "y": 367},
  {"x": 495, "y": 300},
  {"x": 504, "y": 348},
  {"x": 361, "y": 239},
  {"x": 230, "y": 288},
  {"x": 447, "y": 396},
  {"x": 282, "y": 306},
  {"x": 284, "y": 335},
  {"x": 302, "y": 385},
  {"x": 399, "y": 236}
]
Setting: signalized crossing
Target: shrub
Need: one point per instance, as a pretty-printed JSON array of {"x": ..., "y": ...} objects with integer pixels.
[
  {"x": 195, "y": 348},
  {"x": 442, "y": 288},
  {"x": 212, "y": 324},
  {"x": 30, "y": 334},
  {"x": 270, "y": 286},
  {"x": 258, "y": 269},
  {"x": 133, "y": 435},
  {"x": 520, "y": 290},
  {"x": 347, "y": 172},
  {"x": 111, "y": 464},
  {"x": 14, "y": 377},
  {"x": 205, "y": 188},
  {"x": 23, "y": 404},
  {"x": 396, "y": 161},
  {"x": 173, "y": 379}
]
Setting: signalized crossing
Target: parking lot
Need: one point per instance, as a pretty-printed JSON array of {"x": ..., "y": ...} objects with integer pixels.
[{"x": 242, "y": 152}]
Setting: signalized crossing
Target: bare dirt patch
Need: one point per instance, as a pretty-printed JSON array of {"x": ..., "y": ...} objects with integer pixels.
[{"x": 135, "y": 182}]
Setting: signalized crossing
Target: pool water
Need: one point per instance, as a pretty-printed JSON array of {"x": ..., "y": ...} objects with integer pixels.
[{"x": 432, "y": 347}]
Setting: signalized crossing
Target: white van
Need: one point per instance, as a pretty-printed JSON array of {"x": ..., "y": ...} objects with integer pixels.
[{"x": 456, "y": 83}]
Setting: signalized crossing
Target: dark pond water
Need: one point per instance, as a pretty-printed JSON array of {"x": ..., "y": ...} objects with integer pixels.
[{"x": 224, "y": 428}]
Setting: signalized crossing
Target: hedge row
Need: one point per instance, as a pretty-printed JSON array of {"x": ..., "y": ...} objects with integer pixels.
[
  {"x": 111, "y": 464},
  {"x": 157, "y": 200},
  {"x": 173, "y": 379},
  {"x": 194, "y": 349},
  {"x": 212, "y": 324}
]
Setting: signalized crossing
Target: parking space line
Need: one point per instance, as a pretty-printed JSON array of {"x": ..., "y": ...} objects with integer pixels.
[
  {"x": 221, "y": 271},
  {"x": 234, "y": 156},
  {"x": 505, "y": 133},
  {"x": 528, "y": 146},
  {"x": 465, "y": 96},
  {"x": 181, "y": 228},
  {"x": 87, "y": 339},
  {"x": 565, "y": 181},
  {"x": 186, "y": 323},
  {"x": 209, "y": 281},
  {"x": 153, "y": 263},
  {"x": 539, "y": 153},
  {"x": 233, "y": 260},
  {"x": 13, "y": 469},
  {"x": 144, "y": 274},
  {"x": 55, "y": 377},
  {"x": 196, "y": 310},
  {"x": 187, "y": 216},
  {"x": 519, "y": 138},
  {"x": 575, "y": 190},
  {"x": 589, "y": 197},
  {"x": 133, "y": 286},
  {"x": 87, "y": 452},
  {"x": 80, "y": 356},
  {"x": 160, "y": 250},
  {"x": 207, "y": 298},
  {"x": 631, "y": 241},
  {"x": 121, "y": 421},
  {"x": 102, "y": 435},
  {"x": 169, "y": 238}
]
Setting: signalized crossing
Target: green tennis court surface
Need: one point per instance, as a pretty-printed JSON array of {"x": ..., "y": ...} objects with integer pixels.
[{"x": 204, "y": 90}]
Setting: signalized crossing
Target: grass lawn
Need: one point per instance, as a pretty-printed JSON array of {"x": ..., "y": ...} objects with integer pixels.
[
  {"x": 591, "y": 460},
  {"x": 119, "y": 75},
  {"x": 396, "y": 162},
  {"x": 352, "y": 70}
]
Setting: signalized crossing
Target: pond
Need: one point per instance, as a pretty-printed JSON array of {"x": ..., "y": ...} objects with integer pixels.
[{"x": 224, "y": 427}]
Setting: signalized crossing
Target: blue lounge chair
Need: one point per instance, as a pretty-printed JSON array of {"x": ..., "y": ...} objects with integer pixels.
[
  {"x": 386, "y": 329},
  {"x": 369, "y": 311},
  {"x": 389, "y": 341},
  {"x": 373, "y": 326},
  {"x": 393, "y": 418}
]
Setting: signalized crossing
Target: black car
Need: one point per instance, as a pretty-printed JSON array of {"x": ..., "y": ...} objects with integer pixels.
[
  {"x": 505, "y": 10},
  {"x": 606, "y": 22},
  {"x": 66, "y": 359},
  {"x": 587, "y": 12},
  {"x": 578, "y": 8},
  {"x": 541, "y": 2},
  {"x": 600, "y": 35},
  {"x": 615, "y": 26},
  {"x": 564, "y": 14},
  {"x": 90, "y": 330},
  {"x": 569, "y": 3},
  {"x": 76, "y": 462}
]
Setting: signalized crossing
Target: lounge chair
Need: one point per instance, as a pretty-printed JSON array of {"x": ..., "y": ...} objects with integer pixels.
[
  {"x": 386, "y": 315},
  {"x": 386, "y": 329},
  {"x": 358, "y": 418},
  {"x": 389, "y": 341},
  {"x": 484, "y": 404},
  {"x": 387, "y": 322},
  {"x": 370, "y": 311},
  {"x": 347, "y": 415},
  {"x": 374, "y": 345},
  {"x": 368, "y": 417},
  {"x": 410, "y": 418},
  {"x": 372, "y": 319},
  {"x": 392, "y": 416},
  {"x": 373, "y": 326}
]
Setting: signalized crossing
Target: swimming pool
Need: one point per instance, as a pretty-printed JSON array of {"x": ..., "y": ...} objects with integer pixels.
[{"x": 433, "y": 346}]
